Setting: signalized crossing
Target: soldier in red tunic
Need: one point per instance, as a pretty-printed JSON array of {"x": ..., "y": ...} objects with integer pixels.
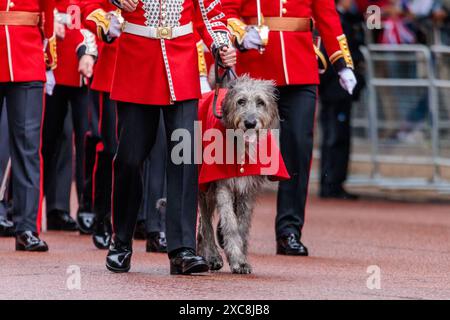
[
  {"x": 279, "y": 34},
  {"x": 104, "y": 21},
  {"x": 77, "y": 51},
  {"x": 26, "y": 29},
  {"x": 157, "y": 71}
]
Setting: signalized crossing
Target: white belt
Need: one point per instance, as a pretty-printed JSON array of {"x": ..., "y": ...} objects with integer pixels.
[{"x": 158, "y": 32}]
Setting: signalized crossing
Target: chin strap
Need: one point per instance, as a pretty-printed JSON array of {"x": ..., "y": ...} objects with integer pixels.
[{"x": 219, "y": 81}]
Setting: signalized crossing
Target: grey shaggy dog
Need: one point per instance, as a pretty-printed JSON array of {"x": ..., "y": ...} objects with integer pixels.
[{"x": 248, "y": 104}]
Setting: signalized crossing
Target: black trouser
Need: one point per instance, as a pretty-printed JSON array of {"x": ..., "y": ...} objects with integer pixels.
[
  {"x": 59, "y": 180},
  {"x": 138, "y": 127},
  {"x": 24, "y": 103},
  {"x": 155, "y": 183},
  {"x": 335, "y": 122},
  {"x": 4, "y": 151},
  {"x": 90, "y": 151},
  {"x": 56, "y": 109},
  {"x": 297, "y": 106},
  {"x": 102, "y": 174}
]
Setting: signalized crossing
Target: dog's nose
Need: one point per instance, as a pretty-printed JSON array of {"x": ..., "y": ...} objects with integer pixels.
[{"x": 250, "y": 123}]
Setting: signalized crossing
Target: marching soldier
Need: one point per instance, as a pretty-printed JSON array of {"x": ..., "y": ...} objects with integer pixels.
[
  {"x": 145, "y": 85},
  {"x": 104, "y": 21},
  {"x": 26, "y": 33},
  {"x": 335, "y": 113},
  {"x": 279, "y": 34},
  {"x": 77, "y": 50}
]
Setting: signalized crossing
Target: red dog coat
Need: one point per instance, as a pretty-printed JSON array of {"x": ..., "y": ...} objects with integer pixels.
[{"x": 209, "y": 172}]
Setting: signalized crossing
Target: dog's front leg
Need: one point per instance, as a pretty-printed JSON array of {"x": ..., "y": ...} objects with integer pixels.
[
  {"x": 205, "y": 239},
  {"x": 233, "y": 244},
  {"x": 244, "y": 212}
]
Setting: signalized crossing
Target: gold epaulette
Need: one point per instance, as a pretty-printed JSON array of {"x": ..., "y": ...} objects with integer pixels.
[
  {"x": 237, "y": 29},
  {"x": 99, "y": 17}
]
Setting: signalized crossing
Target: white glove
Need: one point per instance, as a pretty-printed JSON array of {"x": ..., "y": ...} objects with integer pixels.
[
  {"x": 50, "y": 83},
  {"x": 204, "y": 84},
  {"x": 115, "y": 27},
  {"x": 252, "y": 39},
  {"x": 347, "y": 80}
]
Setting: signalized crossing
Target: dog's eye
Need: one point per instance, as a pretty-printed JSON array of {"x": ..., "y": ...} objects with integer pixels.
[
  {"x": 241, "y": 102},
  {"x": 261, "y": 103}
]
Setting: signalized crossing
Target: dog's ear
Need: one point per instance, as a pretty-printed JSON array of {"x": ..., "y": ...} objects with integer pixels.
[{"x": 271, "y": 89}]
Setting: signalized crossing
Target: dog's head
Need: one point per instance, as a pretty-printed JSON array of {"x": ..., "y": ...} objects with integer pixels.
[{"x": 250, "y": 104}]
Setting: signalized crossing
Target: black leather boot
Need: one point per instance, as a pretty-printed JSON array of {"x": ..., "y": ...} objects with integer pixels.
[
  {"x": 102, "y": 233},
  {"x": 186, "y": 262},
  {"x": 156, "y": 242},
  {"x": 291, "y": 245},
  {"x": 85, "y": 220},
  {"x": 6, "y": 227},
  {"x": 29, "y": 241},
  {"x": 119, "y": 257},
  {"x": 60, "y": 220}
]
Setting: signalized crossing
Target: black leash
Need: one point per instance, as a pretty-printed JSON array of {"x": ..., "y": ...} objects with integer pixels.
[{"x": 228, "y": 74}]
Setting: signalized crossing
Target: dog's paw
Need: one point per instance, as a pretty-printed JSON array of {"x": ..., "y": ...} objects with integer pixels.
[
  {"x": 243, "y": 268},
  {"x": 215, "y": 263}
]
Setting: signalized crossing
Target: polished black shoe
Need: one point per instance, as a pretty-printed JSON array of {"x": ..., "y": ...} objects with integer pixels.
[
  {"x": 139, "y": 232},
  {"x": 60, "y": 220},
  {"x": 29, "y": 241},
  {"x": 291, "y": 246},
  {"x": 156, "y": 242},
  {"x": 102, "y": 234},
  {"x": 337, "y": 193},
  {"x": 187, "y": 262},
  {"x": 119, "y": 257},
  {"x": 85, "y": 221},
  {"x": 6, "y": 228}
]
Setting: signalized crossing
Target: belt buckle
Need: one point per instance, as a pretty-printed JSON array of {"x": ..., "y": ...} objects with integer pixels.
[{"x": 164, "y": 33}]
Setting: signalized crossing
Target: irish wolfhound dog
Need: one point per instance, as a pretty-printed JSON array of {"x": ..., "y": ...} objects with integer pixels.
[{"x": 249, "y": 104}]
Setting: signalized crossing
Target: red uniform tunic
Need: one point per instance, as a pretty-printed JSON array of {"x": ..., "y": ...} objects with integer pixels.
[
  {"x": 104, "y": 68},
  {"x": 157, "y": 71},
  {"x": 75, "y": 43},
  {"x": 291, "y": 55},
  {"x": 21, "y": 47},
  {"x": 210, "y": 172}
]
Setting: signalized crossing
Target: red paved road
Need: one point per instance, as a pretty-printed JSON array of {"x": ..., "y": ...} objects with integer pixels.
[{"x": 409, "y": 242}]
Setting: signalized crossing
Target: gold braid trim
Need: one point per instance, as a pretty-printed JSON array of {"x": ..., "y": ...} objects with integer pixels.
[
  {"x": 202, "y": 68},
  {"x": 322, "y": 59},
  {"x": 345, "y": 50},
  {"x": 51, "y": 57},
  {"x": 99, "y": 17},
  {"x": 237, "y": 29}
]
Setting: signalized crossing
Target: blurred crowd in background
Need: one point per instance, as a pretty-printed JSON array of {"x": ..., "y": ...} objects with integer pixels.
[{"x": 407, "y": 21}]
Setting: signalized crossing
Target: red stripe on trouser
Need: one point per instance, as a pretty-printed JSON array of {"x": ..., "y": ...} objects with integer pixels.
[
  {"x": 41, "y": 171},
  {"x": 98, "y": 148},
  {"x": 113, "y": 175}
]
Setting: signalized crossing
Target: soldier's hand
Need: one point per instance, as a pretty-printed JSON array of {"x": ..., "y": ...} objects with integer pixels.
[
  {"x": 228, "y": 56},
  {"x": 60, "y": 30},
  {"x": 347, "y": 80},
  {"x": 129, "y": 5},
  {"x": 86, "y": 65}
]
